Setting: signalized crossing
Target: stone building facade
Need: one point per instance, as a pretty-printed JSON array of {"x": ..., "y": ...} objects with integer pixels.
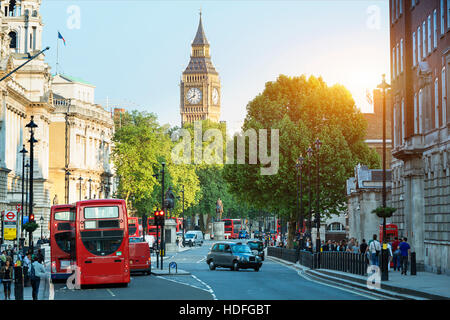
[{"x": 420, "y": 60}]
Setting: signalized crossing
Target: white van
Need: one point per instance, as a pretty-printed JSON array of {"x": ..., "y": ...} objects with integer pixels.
[{"x": 193, "y": 238}]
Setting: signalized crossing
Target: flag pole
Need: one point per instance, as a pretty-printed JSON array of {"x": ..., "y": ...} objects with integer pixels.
[{"x": 57, "y": 53}]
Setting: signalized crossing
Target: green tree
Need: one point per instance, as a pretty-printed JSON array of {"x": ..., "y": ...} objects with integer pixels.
[{"x": 302, "y": 110}]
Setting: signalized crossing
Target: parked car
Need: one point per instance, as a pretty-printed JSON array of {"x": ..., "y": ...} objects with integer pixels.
[
  {"x": 193, "y": 238},
  {"x": 232, "y": 255},
  {"x": 243, "y": 234},
  {"x": 257, "y": 247}
]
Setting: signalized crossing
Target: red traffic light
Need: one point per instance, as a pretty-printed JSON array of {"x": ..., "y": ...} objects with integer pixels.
[
  {"x": 161, "y": 213},
  {"x": 32, "y": 217}
]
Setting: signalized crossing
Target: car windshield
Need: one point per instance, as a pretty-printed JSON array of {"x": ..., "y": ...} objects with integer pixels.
[
  {"x": 189, "y": 235},
  {"x": 241, "y": 249},
  {"x": 255, "y": 245}
]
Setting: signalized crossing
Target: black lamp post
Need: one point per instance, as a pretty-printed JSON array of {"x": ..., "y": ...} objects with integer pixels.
[
  {"x": 299, "y": 166},
  {"x": 90, "y": 182},
  {"x": 31, "y": 125},
  {"x": 42, "y": 222},
  {"x": 309, "y": 152},
  {"x": 384, "y": 86},
  {"x": 318, "y": 144},
  {"x": 27, "y": 169},
  {"x": 23, "y": 152},
  {"x": 80, "y": 179},
  {"x": 183, "y": 211},
  {"x": 67, "y": 185}
]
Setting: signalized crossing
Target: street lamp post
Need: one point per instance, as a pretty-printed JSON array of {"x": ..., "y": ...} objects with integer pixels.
[
  {"x": 67, "y": 185},
  {"x": 183, "y": 212},
  {"x": 80, "y": 179},
  {"x": 27, "y": 169},
  {"x": 42, "y": 223},
  {"x": 299, "y": 166},
  {"x": 90, "y": 182},
  {"x": 318, "y": 144},
  {"x": 163, "y": 243},
  {"x": 31, "y": 125},
  {"x": 384, "y": 86},
  {"x": 309, "y": 152},
  {"x": 23, "y": 152}
]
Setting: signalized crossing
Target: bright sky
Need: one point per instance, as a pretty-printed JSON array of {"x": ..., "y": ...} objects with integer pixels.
[{"x": 134, "y": 52}]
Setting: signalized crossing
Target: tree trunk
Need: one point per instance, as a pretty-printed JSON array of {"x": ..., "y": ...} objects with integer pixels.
[{"x": 291, "y": 232}]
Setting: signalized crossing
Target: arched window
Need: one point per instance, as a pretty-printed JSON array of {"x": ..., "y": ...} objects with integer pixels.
[
  {"x": 13, "y": 43},
  {"x": 335, "y": 227}
]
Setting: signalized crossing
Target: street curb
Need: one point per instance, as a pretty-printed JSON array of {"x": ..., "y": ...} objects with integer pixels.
[
  {"x": 386, "y": 290},
  {"x": 164, "y": 272}
]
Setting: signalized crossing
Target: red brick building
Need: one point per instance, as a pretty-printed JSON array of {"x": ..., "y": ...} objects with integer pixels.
[{"x": 420, "y": 60}]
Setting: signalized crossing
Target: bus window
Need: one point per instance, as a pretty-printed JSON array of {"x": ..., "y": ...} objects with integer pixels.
[
  {"x": 102, "y": 244},
  {"x": 101, "y": 212}
]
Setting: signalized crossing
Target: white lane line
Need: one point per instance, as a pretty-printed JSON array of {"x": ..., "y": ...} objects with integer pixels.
[
  {"x": 206, "y": 285},
  {"x": 202, "y": 259},
  {"x": 111, "y": 292}
]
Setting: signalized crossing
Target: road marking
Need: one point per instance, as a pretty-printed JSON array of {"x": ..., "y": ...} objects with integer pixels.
[
  {"x": 210, "y": 289},
  {"x": 111, "y": 292},
  {"x": 202, "y": 259}
]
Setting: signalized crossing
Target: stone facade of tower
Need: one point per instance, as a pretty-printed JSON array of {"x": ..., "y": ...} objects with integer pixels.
[{"x": 200, "y": 84}]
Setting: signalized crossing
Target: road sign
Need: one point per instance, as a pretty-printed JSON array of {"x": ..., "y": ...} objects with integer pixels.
[
  {"x": 10, "y": 233},
  {"x": 19, "y": 207},
  {"x": 11, "y": 216}
]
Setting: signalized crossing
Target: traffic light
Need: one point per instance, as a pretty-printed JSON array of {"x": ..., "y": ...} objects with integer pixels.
[
  {"x": 159, "y": 217},
  {"x": 32, "y": 217}
]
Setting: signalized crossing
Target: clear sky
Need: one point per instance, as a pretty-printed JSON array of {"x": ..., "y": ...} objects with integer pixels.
[{"x": 134, "y": 52}]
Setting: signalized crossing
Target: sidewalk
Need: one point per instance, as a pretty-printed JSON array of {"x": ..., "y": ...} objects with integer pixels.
[
  {"x": 424, "y": 285},
  {"x": 169, "y": 255}
]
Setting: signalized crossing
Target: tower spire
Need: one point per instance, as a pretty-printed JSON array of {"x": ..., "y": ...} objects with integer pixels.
[{"x": 200, "y": 37}]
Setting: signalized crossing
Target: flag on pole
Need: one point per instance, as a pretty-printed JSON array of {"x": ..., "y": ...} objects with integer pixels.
[{"x": 61, "y": 37}]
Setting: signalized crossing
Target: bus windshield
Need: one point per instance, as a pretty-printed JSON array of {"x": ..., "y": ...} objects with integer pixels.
[{"x": 101, "y": 243}]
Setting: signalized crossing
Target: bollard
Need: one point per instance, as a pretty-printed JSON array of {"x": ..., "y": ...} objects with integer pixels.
[
  {"x": 413, "y": 264},
  {"x": 18, "y": 283}
]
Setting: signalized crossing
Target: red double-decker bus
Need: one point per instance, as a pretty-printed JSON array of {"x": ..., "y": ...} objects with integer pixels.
[
  {"x": 133, "y": 227},
  {"x": 62, "y": 240},
  {"x": 232, "y": 227},
  {"x": 102, "y": 248},
  {"x": 151, "y": 227}
]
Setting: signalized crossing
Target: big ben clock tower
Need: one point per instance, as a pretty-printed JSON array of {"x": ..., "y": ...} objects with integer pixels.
[{"x": 200, "y": 83}]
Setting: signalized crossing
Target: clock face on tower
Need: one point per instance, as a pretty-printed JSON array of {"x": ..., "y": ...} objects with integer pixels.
[
  {"x": 194, "y": 95},
  {"x": 215, "y": 96}
]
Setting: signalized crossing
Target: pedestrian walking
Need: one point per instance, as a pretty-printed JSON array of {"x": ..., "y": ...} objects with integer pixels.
[
  {"x": 396, "y": 254},
  {"x": 36, "y": 273},
  {"x": 374, "y": 249},
  {"x": 6, "y": 274},
  {"x": 363, "y": 246},
  {"x": 405, "y": 250}
]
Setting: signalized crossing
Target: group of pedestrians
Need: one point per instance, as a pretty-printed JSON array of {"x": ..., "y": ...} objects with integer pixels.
[
  {"x": 31, "y": 269},
  {"x": 399, "y": 250}
]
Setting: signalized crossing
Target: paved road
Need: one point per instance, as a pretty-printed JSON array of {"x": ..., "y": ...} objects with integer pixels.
[{"x": 274, "y": 281}]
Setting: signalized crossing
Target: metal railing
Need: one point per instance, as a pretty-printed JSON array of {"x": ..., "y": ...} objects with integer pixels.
[{"x": 349, "y": 262}]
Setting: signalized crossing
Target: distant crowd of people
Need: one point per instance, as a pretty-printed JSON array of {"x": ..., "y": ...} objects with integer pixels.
[
  {"x": 32, "y": 269},
  {"x": 398, "y": 249}
]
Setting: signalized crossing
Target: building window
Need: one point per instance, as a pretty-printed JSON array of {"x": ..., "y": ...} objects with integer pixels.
[
  {"x": 393, "y": 63},
  {"x": 416, "y": 116},
  {"x": 429, "y": 34},
  {"x": 444, "y": 97},
  {"x": 395, "y": 125},
  {"x": 443, "y": 17},
  {"x": 424, "y": 40},
  {"x": 419, "y": 51},
  {"x": 414, "y": 48},
  {"x": 335, "y": 226},
  {"x": 436, "y": 103},
  {"x": 400, "y": 6},
  {"x": 13, "y": 42},
  {"x": 435, "y": 34},
  {"x": 401, "y": 55},
  {"x": 448, "y": 14},
  {"x": 398, "y": 58},
  {"x": 420, "y": 111},
  {"x": 403, "y": 122}
]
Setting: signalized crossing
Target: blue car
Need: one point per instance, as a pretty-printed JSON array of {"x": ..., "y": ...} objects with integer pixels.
[{"x": 243, "y": 234}]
